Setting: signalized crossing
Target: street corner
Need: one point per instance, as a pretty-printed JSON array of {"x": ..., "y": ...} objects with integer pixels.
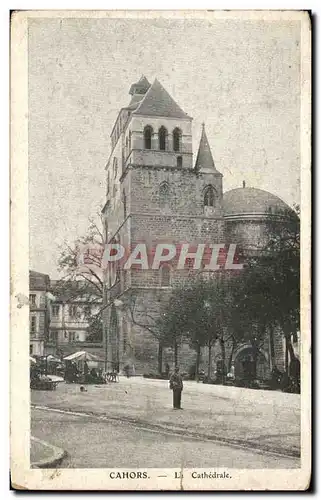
[{"x": 44, "y": 455}]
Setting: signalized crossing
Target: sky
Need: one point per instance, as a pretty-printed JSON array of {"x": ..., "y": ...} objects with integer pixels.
[{"x": 242, "y": 78}]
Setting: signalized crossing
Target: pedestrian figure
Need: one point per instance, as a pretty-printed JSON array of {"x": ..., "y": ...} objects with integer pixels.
[
  {"x": 93, "y": 375},
  {"x": 167, "y": 370},
  {"x": 74, "y": 372},
  {"x": 176, "y": 384}
]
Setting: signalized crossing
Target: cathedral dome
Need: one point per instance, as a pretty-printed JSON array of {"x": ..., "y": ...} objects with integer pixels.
[{"x": 251, "y": 201}]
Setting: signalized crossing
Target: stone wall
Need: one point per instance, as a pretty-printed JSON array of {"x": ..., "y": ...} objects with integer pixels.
[
  {"x": 250, "y": 234},
  {"x": 186, "y": 191}
]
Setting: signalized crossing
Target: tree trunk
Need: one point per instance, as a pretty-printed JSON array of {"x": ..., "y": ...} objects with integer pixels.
[
  {"x": 160, "y": 358},
  {"x": 255, "y": 345},
  {"x": 229, "y": 365},
  {"x": 175, "y": 354},
  {"x": 289, "y": 351},
  {"x": 255, "y": 356},
  {"x": 223, "y": 352},
  {"x": 286, "y": 361},
  {"x": 290, "y": 347},
  {"x": 209, "y": 361},
  {"x": 272, "y": 350},
  {"x": 198, "y": 357}
]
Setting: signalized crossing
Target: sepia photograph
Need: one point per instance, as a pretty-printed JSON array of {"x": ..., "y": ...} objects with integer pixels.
[{"x": 160, "y": 233}]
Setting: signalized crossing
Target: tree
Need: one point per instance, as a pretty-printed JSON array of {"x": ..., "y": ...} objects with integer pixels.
[
  {"x": 82, "y": 280},
  {"x": 197, "y": 312},
  {"x": 170, "y": 332},
  {"x": 267, "y": 294},
  {"x": 95, "y": 328},
  {"x": 282, "y": 254},
  {"x": 152, "y": 320},
  {"x": 83, "y": 260}
]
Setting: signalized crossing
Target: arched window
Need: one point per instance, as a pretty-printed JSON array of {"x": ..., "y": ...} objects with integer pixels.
[
  {"x": 164, "y": 195},
  {"x": 179, "y": 162},
  {"x": 177, "y": 139},
  {"x": 162, "y": 135},
  {"x": 148, "y": 132},
  {"x": 165, "y": 276},
  {"x": 209, "y": 196}
]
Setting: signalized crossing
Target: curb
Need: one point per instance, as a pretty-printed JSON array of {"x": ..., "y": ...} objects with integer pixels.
[
  {"x": 237, "y": 443},
  {"x": 56, "y": 457}
]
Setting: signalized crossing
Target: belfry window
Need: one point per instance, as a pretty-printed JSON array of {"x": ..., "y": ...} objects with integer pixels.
[
  {"x": 148, "y": 132},
  {"x": 177, "y": 139},
  {"x": 164, "y": 195},
  {"x": 209, "y": 197},
  {"x": 162, "y": 135}
]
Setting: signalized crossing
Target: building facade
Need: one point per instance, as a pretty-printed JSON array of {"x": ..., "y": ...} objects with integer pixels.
[
  {"x": 156, "y": 193},
  {"x": 70, "y": 313},
  {"x": 39, "y": 286}
]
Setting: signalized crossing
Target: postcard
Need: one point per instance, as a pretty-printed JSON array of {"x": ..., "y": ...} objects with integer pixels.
[{"x": 160, "y": 250}]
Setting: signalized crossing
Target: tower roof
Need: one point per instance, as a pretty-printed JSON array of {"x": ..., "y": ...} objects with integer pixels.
[
  {"x": 158, "y": 102},
  {"x": 204, "y": 160},
  {"x": 140, "y": 87}
]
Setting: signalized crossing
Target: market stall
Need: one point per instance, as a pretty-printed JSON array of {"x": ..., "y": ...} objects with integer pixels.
[
  {"x": 40, "y": 380},
  {"x": 84, "y": 367}
]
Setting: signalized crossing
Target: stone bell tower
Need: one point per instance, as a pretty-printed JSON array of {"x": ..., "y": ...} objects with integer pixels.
[{"x": 154, "y": 194}]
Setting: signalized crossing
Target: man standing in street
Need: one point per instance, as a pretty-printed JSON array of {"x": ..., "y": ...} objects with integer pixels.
[{"x": 176, "y": 384}]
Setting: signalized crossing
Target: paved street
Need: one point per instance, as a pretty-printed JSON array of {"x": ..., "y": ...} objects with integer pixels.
[
  {"x": 95, "y": 444},
  {"x": 134, "y": 407}
]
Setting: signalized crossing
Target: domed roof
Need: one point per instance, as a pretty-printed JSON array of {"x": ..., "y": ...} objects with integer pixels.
[{"x": 251, "y": 201}]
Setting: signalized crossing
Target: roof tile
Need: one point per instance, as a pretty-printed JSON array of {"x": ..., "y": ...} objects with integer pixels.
[{"x": 158, "y": 102}]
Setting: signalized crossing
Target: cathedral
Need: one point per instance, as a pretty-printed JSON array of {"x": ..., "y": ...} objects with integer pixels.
[{"x": 156, "y": 193}]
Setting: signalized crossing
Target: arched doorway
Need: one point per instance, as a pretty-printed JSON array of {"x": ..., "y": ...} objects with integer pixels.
[{"x": 249, "y": 366}]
